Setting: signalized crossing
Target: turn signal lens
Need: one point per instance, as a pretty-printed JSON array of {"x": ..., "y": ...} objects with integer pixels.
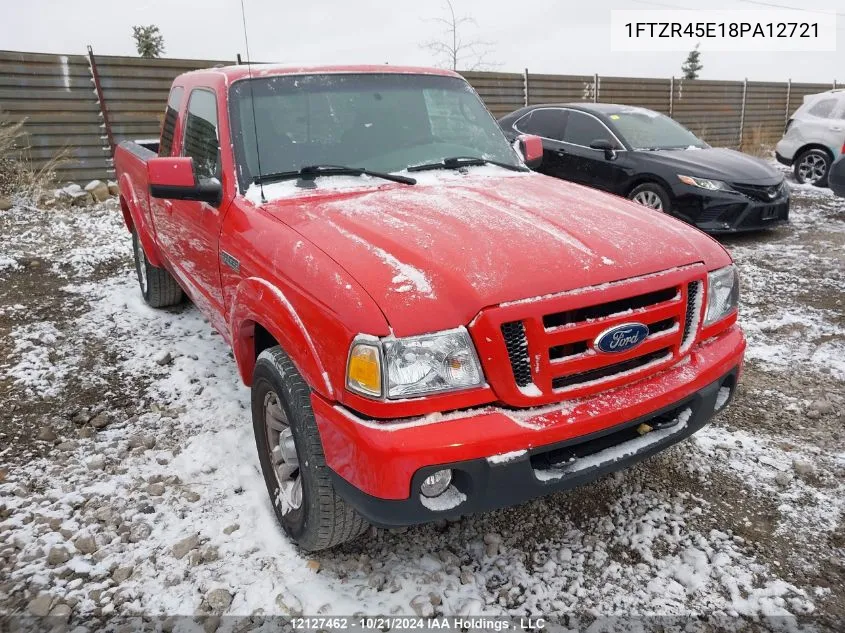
[{"x": 363, "y": 373}]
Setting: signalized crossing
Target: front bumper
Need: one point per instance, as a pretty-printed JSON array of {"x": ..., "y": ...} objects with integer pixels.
[
  {"x": 378, "y": 466},
  {"x": 717, "y": 212}
]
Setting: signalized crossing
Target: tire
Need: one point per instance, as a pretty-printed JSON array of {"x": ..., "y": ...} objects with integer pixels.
[
  {"x": 813, "y": 167},
  {"x": 322, "y": 519},
  {"x": 158, "y": 286},
  {"x": 652, "y": 195}
]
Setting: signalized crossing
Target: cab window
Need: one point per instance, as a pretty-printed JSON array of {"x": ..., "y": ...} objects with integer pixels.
[
  {"x": 201, "y": 138},
  {"x": 171, "y": 116}
]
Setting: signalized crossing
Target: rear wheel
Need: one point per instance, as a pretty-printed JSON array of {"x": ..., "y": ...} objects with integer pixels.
[
  {"x": 292, "y": 459},
  {"x": 651, "y": 195},
  {"x": 812, "y": 167},
  {"x": 158, "y": 286}
]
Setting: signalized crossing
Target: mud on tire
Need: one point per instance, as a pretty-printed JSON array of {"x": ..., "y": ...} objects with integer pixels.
[{"x": 323, "y": 519}]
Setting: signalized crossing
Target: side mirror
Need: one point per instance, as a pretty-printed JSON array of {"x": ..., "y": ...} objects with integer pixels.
[
  {"x": 606, "y": 146},
  {"x": 531, "y": 148},
  {"x": 174, "y": 178}
]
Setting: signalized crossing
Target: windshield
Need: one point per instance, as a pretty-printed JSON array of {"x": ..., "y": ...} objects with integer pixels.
[
  {"x": 381, "y": 122},
  {"x": 646, "y": 129}
]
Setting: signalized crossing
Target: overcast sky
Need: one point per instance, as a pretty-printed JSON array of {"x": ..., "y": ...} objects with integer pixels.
[{"x": 550, "y": 36}]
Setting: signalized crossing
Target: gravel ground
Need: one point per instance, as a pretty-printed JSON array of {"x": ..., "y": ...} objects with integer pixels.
[{"x": 129, "y": 483}]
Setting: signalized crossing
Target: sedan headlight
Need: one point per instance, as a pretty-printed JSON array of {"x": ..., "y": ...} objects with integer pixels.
[
  {"x": 722, "y": 294},
  {"x": 705, "y": 183},
  {"x": 415, "y": 365}
]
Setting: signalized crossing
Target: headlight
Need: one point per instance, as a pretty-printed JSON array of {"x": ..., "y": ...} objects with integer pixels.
[
  {"x": 722, "y": 294},
  {"x": 415, "y": 365},
  {"x": 705, "y": 183}
]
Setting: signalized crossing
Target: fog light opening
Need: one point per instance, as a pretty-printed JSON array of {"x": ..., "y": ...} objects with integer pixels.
[
  {"x": 437, "y": 483},
  {"x": 725, "y": 392}
]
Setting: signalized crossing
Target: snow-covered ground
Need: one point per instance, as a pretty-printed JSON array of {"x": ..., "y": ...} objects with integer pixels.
[{"x": 129, "y": 482}]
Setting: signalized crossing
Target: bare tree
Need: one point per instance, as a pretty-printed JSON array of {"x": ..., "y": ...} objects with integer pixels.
[{"x": 451, "y": 50}]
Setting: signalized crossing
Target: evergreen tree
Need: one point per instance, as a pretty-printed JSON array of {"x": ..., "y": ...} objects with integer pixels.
[
  {"x": 148, "y": 41},
  {"x": 693, "y": 64}
]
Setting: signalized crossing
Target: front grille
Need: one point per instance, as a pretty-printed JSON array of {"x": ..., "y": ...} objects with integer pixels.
[
  {"x": 765, "y": 193},
  {"x": 693, "y": 313},
  {"x": 517, "y": 345},
  {"x": 550, "y": 341},
  {"x": 562, "y": 382}
]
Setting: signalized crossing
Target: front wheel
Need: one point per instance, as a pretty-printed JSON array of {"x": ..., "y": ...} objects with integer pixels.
[
  {"x": 292, "y": 460},
  {"x": 812, "y": 167},
  {"x": 651, "y": 195},
  {"x": 158, "y": 286}
]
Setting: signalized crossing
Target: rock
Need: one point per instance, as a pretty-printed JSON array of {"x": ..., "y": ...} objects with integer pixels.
[
  {"x": 98, "y": 190},
  {"x": 121, "y": 574},
  {"x": 192, "y": 496},
  {"x": 40, "y": 606},
  {"x": 81, "y": 417},
  {"x": 812, "y": 414},
  {"x": 5, "y": 204},
  {"x": 97, "y": 462},
  {"x": 139, "y": 532},
  {"x": 86, "y": 432},
  {"x": 61, "y": 612},
  {"x": 155, "y": 490},
  {"x": 46, "y": 434},
  {"x": 86, "y": 544},
  {"x": 422, "y": 606},
  {"x": 114, "y": 188},
  {"x": 218, "y": 599},
  {"x": 77, "y": 196},
  {"x": 492, "y": 541},
  {"x": 803, "y": 467},
  {"x": 210, "y": 623},
  {"x": 783, "y": 479},
  {"x": 57, "y": 556},
  {"x": 231, "y": 528},
  {"x": 824, "y": 407},
  {"x": 165, "y": 358},
  {"x": 185, "y": 545},
  {"x": 210, "y": 554},
  {"x": 313, "y": 565},
  {"x": 100, "y": 421},
  {"x": 377, "y": 581}
]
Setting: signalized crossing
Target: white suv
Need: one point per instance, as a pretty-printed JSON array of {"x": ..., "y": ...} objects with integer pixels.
[{"x": 814, "y": 136}]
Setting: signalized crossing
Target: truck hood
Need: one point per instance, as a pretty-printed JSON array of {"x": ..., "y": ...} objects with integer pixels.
[{"x": 434, "y": 254}]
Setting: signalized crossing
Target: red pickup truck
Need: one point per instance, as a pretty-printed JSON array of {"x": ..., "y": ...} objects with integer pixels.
[{"x": 429, "y": 328}]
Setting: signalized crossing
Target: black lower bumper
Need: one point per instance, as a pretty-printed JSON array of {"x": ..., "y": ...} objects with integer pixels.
[
  {"x": 783, "y": 160},
  {"x": 488, "y": 485},
  {"x": 730, "y": 212}
]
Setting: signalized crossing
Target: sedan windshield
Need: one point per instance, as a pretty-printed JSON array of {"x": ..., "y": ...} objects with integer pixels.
[
  {"x": 379, "y": 122},
  {"x": 646, "y": 129}
]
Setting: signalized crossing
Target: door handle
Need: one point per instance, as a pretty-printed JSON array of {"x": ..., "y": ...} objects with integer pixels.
[{"x": 560, "y": 152}]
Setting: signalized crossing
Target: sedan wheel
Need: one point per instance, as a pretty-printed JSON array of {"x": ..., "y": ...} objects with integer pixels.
[
  {"x": 283, "y": 455},
  {"x": 649, "y": 199},
  {"x": 811, "y": 168}
]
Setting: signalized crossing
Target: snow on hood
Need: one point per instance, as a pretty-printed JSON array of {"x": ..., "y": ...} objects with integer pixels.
[{"x": 434, "y": 254}]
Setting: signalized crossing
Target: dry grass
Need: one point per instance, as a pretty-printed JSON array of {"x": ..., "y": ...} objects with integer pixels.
[
  {"x": 756, "y": 142},
  {"x": 18, "y": 175}
]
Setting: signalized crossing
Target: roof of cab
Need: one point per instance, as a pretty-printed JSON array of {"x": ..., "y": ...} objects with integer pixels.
[{"x": 242, "y": 71}]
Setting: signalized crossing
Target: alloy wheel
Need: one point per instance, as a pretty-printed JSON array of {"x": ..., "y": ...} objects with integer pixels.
[
  {"x": 812, "y": 168},
  {"x": 649, "y": 199},
  {"x": 282, "y": 449}
]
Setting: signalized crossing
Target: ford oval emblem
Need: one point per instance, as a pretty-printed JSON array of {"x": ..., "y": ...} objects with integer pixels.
[{"x": 621, "y": 338}]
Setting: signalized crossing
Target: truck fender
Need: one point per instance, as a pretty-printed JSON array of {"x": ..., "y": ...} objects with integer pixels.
[
  {"x": 257, "y": 301},
  {"x": 134, "y": 218}
]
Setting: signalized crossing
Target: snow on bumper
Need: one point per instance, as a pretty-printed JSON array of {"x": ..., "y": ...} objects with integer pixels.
[{"x": 384, "y": 460}]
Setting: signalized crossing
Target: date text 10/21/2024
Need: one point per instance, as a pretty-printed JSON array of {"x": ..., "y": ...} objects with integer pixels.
[{"x": 383, "y": 623}]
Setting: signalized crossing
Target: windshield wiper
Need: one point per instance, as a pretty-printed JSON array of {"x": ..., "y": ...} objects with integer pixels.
[
  {"x": 457, "y": 162},
  {"x": 309, "y": 173}
]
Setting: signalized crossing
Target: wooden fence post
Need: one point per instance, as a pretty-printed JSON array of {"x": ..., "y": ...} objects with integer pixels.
[
  {"x": 595, "y": 88},
  {"x": 742, "y": 111},
  {"x": 525, "y": 95}
]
